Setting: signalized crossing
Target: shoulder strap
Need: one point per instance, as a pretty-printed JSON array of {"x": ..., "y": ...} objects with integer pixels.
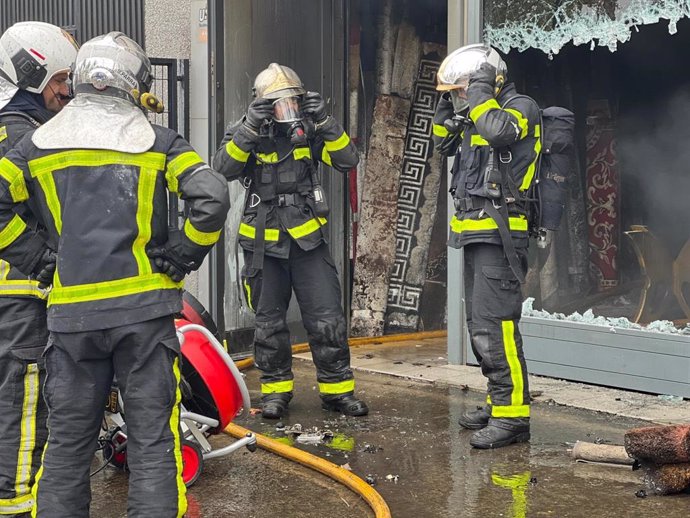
[{"x": 21, "y": 115}]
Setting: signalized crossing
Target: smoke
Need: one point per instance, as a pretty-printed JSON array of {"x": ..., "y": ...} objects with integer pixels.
[{"x": 653, "y": 148}]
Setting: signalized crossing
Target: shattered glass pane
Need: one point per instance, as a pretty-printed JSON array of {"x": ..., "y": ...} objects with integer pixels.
[{"x": 549, "y": 25}]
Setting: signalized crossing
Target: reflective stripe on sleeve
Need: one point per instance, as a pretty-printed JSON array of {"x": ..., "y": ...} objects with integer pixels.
[
  {"x": 15, "y": 178},
  {"x": 440, "y": 130},
  {"x": 11, "y": 231},
  {"x": 481, "y": 109},
  {"x": 336, "y": 145},
  {"x": 235, "y": 152},
  {"x": 179, "y": 165},
  {"x": 199, "y": 237}
]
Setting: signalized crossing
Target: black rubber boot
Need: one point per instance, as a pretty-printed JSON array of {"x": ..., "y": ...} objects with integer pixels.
[
  {"x": 501, "y": 432},
  {"x": 274, "y": 406},
  {"x": 347, "y": 405},
  {"x": 475, "y": 419}
]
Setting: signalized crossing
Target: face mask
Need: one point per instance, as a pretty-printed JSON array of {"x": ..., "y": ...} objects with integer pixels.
[
  {"x": 287, "y": 109},
  {"x": 459, "y": 99}
]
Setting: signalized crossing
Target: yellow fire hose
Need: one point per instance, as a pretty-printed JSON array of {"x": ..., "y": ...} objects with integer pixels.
[{"x": 337, "y": 473}]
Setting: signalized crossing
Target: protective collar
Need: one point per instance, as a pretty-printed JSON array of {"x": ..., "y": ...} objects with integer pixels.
[{"x": 93, "y": 121}]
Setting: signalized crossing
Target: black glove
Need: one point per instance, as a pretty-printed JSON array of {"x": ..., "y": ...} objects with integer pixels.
[
  {"x": 485, "y": 74},
  {"x": 45, "y": 268},
  {"x": 259, "y": 111},
  {"x": 178, "y": 256},
  {"x": 314, "y": 106}
]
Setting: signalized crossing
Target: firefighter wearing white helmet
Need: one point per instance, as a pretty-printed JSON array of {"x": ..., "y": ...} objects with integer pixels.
[
  {"x": 496, "y": 135},
  {"x": 36, "y": 60},
  {"x": 100, "y": 175},
  {"x": 275, "y": 151}
]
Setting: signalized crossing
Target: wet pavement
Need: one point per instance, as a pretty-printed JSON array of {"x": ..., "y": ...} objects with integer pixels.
[{"x": 414, "y": 453}]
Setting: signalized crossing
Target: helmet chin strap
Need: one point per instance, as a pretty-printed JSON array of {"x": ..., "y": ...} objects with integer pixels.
[{"x": 58, "y": 96}]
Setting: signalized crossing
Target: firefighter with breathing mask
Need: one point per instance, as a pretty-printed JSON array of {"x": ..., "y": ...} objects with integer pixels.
[
  {"x": 36, "y": 60},
  {"x": 274, "y": 151},
  {"x": 494, "y": 134},
  {"x": 99, "y": 174}
]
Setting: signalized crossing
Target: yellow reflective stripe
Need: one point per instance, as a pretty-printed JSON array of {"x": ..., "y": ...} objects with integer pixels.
[
  {"x": 111, "y": 289},
  {"x": 478, "y": 140},
  {"x": 11, "y": 231},
  {"x": 175, "y": 429},
  {"x": 510, "y": 411},
  {"x": 47, "y": 183},
  {"x": 179, "y": 165},
  {"x": 23, "y": 288},
  {"x": 301, "y": 152},
  {"x": 518, "y": 485},
  {"x": 145, "y": 190},
  {"x": 440, "y": 130},
  {"x": 531, "y": 169},
  {"x": 199, "y": 237},
  {"x": 325, "y": 157},
  {"x": 277, "y": 387},
  {"x": 518, "y": 223},
  {"x": 267, "y": 158},
  {"x": 27, "y": 438},
  {"x": 481, "y": 109},
  {"x": 4, "y": 269},
  {"x": 341, "y": 387},
  {"x": 488, "y": 399},
  {"x": 248, "y": 289},
  {"x": 271, "y": 234},
  {"x": 17, "y": 505},
  {"x": 521, "y": 121},
  {"x": 336, "y": 145},
  {"x": 95, "y": 158},
  {"x": 3, "y": 133},
  {"x": 307, "y": 228},
  {"x": 511, "y": 352},
  {"x": 39, "y": 474},
  {"x": 15, "y": 177},
  {"x": 234, "y": 151}
]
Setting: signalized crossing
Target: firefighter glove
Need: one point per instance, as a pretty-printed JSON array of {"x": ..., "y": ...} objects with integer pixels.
[
  {"x": 485, "y": 74},
  {"x": 259, "y": 111},
  {"x": 45, "y": 268},
  {"x": 315, "y": 107},
  {"x": 178, "y": 256}
]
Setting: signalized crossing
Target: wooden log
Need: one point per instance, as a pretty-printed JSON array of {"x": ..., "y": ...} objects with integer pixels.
[
  {"x": 601, "y": 453},
  {"x": 659, "y": 444},
  {"x": 668, "y": 479}
]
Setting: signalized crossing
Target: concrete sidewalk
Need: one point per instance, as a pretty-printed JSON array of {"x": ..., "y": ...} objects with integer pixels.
[{"x": 426, "y": 361}]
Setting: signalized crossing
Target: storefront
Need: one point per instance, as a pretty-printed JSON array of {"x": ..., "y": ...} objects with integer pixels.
[{"x": 612, "y": 291}]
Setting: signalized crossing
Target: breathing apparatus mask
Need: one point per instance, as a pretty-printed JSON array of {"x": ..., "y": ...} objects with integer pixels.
[{"x": 287, "y": 114}]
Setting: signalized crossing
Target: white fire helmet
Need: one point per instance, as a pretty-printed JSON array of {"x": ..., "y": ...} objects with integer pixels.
[
  {"x": 454, "y": 73},
  {"x": 277, "y": 81},
  {"x": 31, "y": 53}
]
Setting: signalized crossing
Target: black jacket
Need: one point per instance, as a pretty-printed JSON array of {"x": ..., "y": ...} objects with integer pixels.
[
  {"x": 103, "y": 210},
  {"x": 279, "y": 177},
  {"x": 509, "y": 123}
]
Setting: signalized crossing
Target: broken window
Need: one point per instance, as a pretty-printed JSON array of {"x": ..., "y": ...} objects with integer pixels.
[{"x": 549, "y": 25}]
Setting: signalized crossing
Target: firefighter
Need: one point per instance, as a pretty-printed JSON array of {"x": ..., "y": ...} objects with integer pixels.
[
  {"x": 495, "y": 133},
  {"x": 35, "y": 62},
  {"x": 100, "y": 174},
  {"x": 274, "y": 150}
]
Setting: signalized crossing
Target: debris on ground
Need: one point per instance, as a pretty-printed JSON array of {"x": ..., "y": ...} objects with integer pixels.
[
  {"x": 392, "y": 478},
  {"x": 370, "y": 479},
  {"x": 313, "y": 435},
  {"x": 608, "y": 454}
]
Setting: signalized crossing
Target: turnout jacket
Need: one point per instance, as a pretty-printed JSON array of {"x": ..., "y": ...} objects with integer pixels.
[
  {"x": 103, "y": 210},
  {"x": 14, "y": 283},
  {"x": 508, "y": 124},
  {"x": 279, "y": 181}
]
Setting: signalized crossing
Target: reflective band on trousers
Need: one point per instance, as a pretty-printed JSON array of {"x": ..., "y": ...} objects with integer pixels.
[
  {"x": 199, "y": 237},
  {"x": 517, "y": 408},
  {"x": 458, "y": 226},
  {"x": 277, "y": 387},
  {"x": 17, "y": 505},
  {"x": 175, "y": 429},
  {"x": 27, "y": 439},
  {"x": 307, "y": 228},
  {"x": 111, "y": 289},
  {"x": 339, "y": 387}
]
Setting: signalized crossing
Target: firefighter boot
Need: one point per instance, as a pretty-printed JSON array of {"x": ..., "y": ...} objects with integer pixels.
[
  {"x": 275, "y": 405},
  {"x": 346, "y": 404},
  {"x": 475, "y": 419},
  {"x": 501, "y": 432}
]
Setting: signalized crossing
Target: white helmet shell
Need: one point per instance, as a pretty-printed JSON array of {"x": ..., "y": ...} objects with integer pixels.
[
  {"x": 110, "y": 62},
  {"x": 31, "y": 53},
  {"x": 277, "y": 81},
  {"x": 455, "y": 70}
]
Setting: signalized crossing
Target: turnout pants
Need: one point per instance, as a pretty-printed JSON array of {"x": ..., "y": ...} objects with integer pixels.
[
  {"x": 314, "y": 278},
  {"x": 80, "y": 367},
  {"x": 23, "y": 413},
  {"x": 494, "y": 306}
]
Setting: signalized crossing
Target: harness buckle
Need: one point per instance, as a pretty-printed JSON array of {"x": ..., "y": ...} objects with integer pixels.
[
  {"x": 505, "y": 156},
  {"x": 246, "y": 182},
  {"x": 254, "y": 200}
]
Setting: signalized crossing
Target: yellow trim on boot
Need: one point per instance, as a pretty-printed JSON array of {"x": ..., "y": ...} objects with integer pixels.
[{"x": 340, "y": 387}]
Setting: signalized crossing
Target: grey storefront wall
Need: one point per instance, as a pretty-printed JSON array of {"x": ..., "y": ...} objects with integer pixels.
[{"x": 640, "y": 360}]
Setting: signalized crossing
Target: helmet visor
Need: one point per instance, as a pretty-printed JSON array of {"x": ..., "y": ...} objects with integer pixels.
[
  {"x": 459, "y": 99},
  {"x": 287, "y": 109}
]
